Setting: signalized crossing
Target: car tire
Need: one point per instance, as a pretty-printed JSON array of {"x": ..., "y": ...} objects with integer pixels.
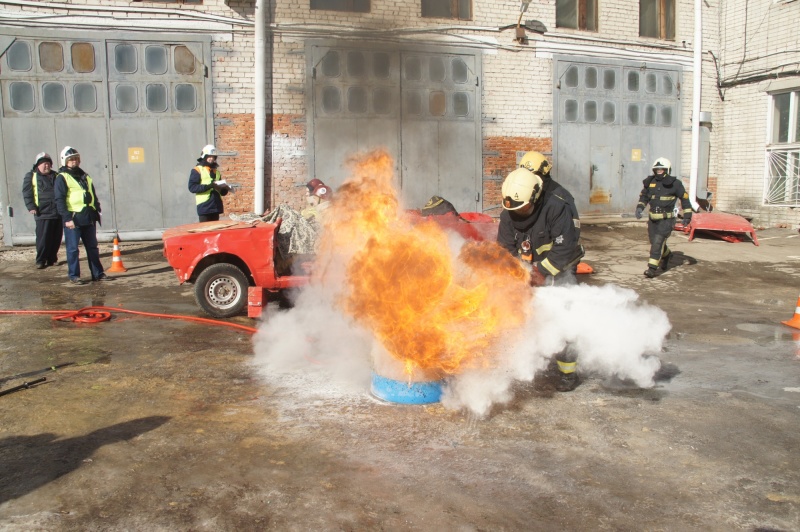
[{"x": 221, "y": 290}]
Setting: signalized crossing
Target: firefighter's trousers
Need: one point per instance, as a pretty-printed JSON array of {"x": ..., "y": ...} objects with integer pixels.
[{"x": 659, "y": 231}]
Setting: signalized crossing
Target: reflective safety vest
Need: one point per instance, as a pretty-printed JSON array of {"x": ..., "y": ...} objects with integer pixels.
[
  {"x": 35, "y": 183},
  {"x": 76, "y": 198},
  {"x": 205, "y": 179}
]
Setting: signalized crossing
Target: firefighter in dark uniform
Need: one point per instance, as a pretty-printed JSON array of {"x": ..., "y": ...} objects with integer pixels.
[
  {"x": 660, "y": 192},
  {"x": 38, "y": 191},
  {"x": 207, "y": 185},
  {"x": 539, "y": 225}
]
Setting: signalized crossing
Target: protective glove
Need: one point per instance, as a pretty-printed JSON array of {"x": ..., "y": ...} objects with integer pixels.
[
  {"x": 639, "y": 211},
  {"x": 537, "y": 279},
  {"x": 687, "y": 218}
]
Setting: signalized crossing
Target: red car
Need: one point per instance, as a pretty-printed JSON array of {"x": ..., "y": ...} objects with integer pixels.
[{"x": 226, "y": 260}]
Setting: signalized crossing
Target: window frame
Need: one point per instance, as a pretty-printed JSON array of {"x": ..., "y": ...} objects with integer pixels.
[
  {"x": 580, "y": 13},
  {"x": 455, "y": 9},
  {"x": 316, "y": 5},
  {"x": 661, "y": 22},
  {"x": 782, "y": 189}
]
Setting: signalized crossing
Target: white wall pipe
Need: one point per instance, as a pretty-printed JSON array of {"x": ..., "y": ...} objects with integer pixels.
[
  {"x": 696, "y": 94},
  {"x": 260, "y": 111}
]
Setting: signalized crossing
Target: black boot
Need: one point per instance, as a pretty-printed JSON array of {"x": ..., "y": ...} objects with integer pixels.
[
  {"x": 650, "y": 273},
  {"x": 568, "y": 382}
]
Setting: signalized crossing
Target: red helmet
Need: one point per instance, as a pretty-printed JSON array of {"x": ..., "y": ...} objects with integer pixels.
[{"x": 318, "y": 188}]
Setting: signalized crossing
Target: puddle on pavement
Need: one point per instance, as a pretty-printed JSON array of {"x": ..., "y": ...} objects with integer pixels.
[{"x": 767, "y": 334}]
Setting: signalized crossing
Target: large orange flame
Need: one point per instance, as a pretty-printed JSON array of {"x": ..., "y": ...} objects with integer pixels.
[{"x": 435, "y": 313}]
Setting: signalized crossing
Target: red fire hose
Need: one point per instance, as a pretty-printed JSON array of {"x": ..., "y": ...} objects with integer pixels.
[{"x": 100, "y": 314}]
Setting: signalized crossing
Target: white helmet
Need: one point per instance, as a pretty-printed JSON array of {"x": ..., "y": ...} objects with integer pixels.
[
  {"x": 520, "y": 188},
  {"x": 208, "y": 151},
  {"x": 42, "y": 157},
  {"x": 663, "y": 164},
  {"x": 68, "y": 153}
]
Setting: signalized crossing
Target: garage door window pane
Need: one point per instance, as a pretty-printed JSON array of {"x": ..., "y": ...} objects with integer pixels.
[
  {"x": 331, "y": 100},
  {"x": 380, "y": 65},
  {"x": 330, "y": 65},
  {"x": 82, "y": 57},
  {"x": 436, "y": 69},
  {"x": 437, "y": 103},
  {"x": 590, "y": 111},
  {"x": 125, "y": 97},
  {"x": 633, "y": 81},
  {"x": 460, "y": 71},
  {"x": 633, "y": 114},
  {"x": 185, "y": 97},
  {"x": 356, "y": 65},
  {"x": 609, "y": 80},
  {"x": 85, "y": 97},
  {"x": 183, "y": 60},
  {"x": 413, "y": 103},
  {"x": 382, "y": 100},
  {"x": 125, "y": 58},
  {"x": 651, "y": 83},
  {"x": 413, "y": 69},
  {"x": 156, "y": 98},
  {"x": 591, "y": 78},
  {"x": 667, "y": 84},
  {"x": 571, "y": 110},
  {"x": 357, "y": 100},
  {"x": 666, "y": 116},
  {"x": 51, "y": 56},
  {"x": 461, "y": 104},
  {"x": 155, "y": 59},
  {"x": 571, "y": 77},
  {"x": 54, "y": 97},
  {"x": 650, "y": 115},
  {"x": 609, "y": 112},
  {"x": 19, "y": 56},
  {"x": 21, "y": 96}
]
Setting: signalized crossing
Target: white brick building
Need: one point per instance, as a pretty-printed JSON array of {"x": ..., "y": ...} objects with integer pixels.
[{"x": 454, "y": 97}]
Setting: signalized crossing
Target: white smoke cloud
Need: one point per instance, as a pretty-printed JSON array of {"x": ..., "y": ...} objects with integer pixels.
[{"x": 613, "y": 333}]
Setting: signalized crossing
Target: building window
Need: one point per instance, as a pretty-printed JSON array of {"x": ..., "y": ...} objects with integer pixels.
[
  {"x": 183, "y": 60},
  {"x": 576, "y": 14},
  {"x": 19, "y": 56},
  {"x": 82, "y": 57},
  {"x": 185, "y": 98},
  {"x": 355, "y": 6},
  {"x": 21, "y": 96},
  {"x": 455, "y": 9},
  {"x": 783, "y": 150},
  {"x": 155, "y": 60},
  {"x": 156, "y": 97},
  {"x": 54, "y": 97},
  {"x": 125, "y": 58},
  {"x": 657, "y": 19},
  {"x": 126, "y": 98},
  {"x": 84, "y": 97},
  {"x": 51, "y": 56}
]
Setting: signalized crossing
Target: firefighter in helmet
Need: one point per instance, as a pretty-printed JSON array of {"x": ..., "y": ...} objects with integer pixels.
[
  {"x": 539, "y": 225},
  {"x": 207, "y": 185},
  {"x": 660, "y": 191},
  {"x": 318, "y": 195}
]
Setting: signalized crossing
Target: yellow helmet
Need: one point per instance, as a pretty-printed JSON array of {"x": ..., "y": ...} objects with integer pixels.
[
  {"x": 520, "y": 188},
  {"x": 664, "y": 164},
  {"x": 536, "y": 163}
]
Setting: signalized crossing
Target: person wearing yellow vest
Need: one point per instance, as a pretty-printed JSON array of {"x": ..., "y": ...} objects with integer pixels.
[
  {"x": 38, "y": 191},
  {"x": 79, "y": 207},
  {"x": 207, "y": 185}
]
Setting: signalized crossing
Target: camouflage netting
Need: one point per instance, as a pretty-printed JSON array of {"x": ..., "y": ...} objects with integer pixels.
[{"x": 296, "y": 234}]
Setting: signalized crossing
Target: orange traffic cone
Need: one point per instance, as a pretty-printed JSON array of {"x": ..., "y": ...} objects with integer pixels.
[
  {"x": 116, "y": 259},
  {"x": 795, "y": 321}
]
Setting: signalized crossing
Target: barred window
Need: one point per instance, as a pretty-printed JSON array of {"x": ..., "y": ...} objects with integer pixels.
[{"x": 783, "y": 151}]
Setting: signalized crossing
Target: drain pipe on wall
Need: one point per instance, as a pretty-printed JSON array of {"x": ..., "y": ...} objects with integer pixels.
[
  {"x": 696, "y": 94},
  {"x": 260, "y": 111}
]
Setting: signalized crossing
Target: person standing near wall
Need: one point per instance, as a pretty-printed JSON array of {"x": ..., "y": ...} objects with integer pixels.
[
  {"x": 660, "y": 191},
  {"x": 38, "y": 191},
  {"x": 207, "y": 185},
  {"x": 80, "y": 209}
]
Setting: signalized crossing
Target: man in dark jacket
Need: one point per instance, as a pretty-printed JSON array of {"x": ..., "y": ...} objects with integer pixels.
[
  {"x": 660, "y": 191},
  {"x": 207, "y": 185},
  {"x": 539, "y": 225},
  {"x": 38, "y": 191},
  {"x": 79, "y": 207}
]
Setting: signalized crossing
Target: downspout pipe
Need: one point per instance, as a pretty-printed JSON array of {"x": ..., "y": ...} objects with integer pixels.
[
  {"x": 260, "y": 111},
  {"x": 696, "y": 94}
]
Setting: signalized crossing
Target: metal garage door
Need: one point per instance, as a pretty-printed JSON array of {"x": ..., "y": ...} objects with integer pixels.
[
  {"x": 423, "y": 107},
  {"x": 137, "y": 111},
  {"x": 612, "y": 120}
]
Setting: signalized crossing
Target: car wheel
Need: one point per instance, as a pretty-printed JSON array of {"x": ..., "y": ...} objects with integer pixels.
[{"x": 221, "y": 290}]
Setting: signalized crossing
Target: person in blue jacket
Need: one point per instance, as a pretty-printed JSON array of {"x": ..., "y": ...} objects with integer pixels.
[{"x": 207, "y": 185}]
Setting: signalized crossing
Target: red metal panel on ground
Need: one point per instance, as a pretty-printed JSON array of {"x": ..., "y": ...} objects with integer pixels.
[
  {"x": 256, "y": 301},
  {"x": 720, "y": 224}
]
